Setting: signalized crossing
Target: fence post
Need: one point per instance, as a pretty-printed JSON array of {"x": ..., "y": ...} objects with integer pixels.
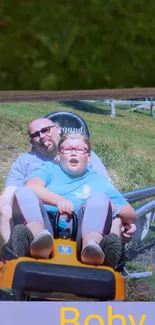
[
  {"x": 113, "y": 110},
  {"x": 151, "y": 108}
]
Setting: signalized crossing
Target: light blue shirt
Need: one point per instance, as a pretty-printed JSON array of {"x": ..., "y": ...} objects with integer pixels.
[{"x": 77, "y": 190}]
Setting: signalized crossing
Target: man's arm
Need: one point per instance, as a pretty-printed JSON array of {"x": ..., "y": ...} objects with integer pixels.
[
  {"x": 16, "y": 175},
  {"x": 97, "y": 165}
]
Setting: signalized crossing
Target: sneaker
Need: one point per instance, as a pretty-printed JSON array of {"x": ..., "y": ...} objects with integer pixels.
[
  {"x": 20, "y": 240},
  {"x": 42, "y": 245},
  {"x": 92, "y": 254},
  {"x": 113, "y": 249}
]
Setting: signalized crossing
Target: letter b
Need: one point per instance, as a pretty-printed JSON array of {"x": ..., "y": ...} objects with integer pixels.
[{"x": 64, "y": 320}]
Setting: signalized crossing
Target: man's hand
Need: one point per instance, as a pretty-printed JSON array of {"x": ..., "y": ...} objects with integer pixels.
[
  {"x": 128, "y": 232},
  {"x": 65, "y": 206}
]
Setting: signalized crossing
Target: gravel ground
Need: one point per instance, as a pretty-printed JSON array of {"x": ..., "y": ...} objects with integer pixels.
[
  {"x": 142, "y": 289},
  {"x": 147, "y": 258}
]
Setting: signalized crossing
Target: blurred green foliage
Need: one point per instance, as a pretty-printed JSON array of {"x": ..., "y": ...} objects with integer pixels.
[{"x": 60, "y": 45}]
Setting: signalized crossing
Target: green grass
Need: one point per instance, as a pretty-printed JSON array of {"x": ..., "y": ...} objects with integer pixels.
[{"x": 126, "y": 145}]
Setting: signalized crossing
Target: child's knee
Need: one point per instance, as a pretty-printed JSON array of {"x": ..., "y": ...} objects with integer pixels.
[
  {"x": 24, "y": 191},
  {"x": 99, "y": 200}
]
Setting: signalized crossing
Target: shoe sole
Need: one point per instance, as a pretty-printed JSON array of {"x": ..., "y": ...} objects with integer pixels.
[
  {"x": 113, "y": 249},
  {"x": 41, "y": 246},
  {"x": 91, "y": 254},
  {"x": 20, "y": 240}
]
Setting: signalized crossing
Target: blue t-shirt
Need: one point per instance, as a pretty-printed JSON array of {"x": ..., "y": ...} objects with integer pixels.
[
  {"x": 77, "y": 190},
  {"x": 27, "y": 162}
]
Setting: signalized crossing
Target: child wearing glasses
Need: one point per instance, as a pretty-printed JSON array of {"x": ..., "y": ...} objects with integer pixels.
[{"x": 66, "y": 187}]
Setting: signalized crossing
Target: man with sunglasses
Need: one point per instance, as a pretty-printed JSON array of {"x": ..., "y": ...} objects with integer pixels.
[{"x": 44, "y": 137}]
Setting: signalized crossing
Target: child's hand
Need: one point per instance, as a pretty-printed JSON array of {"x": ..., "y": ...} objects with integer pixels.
[{"x": 65, "y": 206}]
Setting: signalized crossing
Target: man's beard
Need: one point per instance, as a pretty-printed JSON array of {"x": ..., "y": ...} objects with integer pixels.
[{"x": 51, "y": 150}]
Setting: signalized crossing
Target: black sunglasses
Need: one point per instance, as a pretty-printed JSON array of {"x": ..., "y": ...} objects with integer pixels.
[{"x": 44, "y": 131}]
